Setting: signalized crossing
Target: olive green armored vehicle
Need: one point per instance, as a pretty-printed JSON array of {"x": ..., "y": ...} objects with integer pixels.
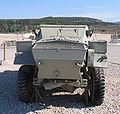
[{"x": 61, "y": 56}]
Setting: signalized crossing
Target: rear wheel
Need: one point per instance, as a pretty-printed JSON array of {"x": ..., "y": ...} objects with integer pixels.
[{"x": 97, "y": 86}]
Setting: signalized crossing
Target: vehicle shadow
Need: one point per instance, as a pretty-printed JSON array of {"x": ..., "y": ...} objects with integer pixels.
[{"x": 9, "y": 103}]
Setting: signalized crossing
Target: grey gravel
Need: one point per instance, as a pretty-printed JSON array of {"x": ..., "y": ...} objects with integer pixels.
[{"x": 61, "y": 102}]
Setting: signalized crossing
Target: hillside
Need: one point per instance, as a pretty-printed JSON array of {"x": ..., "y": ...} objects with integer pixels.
[{"x": 26, "y": 25}]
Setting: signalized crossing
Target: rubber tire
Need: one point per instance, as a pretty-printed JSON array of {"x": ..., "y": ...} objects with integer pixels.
[
  {"x": 97, "y": 86},
  {"x": 25, "y": 83}
]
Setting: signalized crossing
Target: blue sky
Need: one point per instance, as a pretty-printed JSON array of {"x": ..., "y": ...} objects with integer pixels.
[{"x": 106, "y": 10}]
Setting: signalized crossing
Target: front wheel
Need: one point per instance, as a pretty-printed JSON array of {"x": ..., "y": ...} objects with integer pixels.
[{"x": 25, "y": 83}]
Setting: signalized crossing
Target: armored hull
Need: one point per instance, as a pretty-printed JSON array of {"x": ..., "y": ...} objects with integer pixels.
[{"x": 61, "y": 56}]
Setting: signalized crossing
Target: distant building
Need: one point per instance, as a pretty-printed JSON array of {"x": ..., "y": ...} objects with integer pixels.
[
  {"x": 115, "y": 39},
  {"x": 98, "y": 36}
]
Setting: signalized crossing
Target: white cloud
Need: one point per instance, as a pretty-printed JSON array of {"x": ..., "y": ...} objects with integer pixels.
[{"x": 111, "y": 17}]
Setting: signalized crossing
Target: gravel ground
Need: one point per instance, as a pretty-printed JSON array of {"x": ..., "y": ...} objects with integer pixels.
[{"x": 61, "y": 102}]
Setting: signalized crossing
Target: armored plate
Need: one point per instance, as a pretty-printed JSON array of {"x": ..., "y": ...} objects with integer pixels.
[{"x": 57, "y": 59}]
